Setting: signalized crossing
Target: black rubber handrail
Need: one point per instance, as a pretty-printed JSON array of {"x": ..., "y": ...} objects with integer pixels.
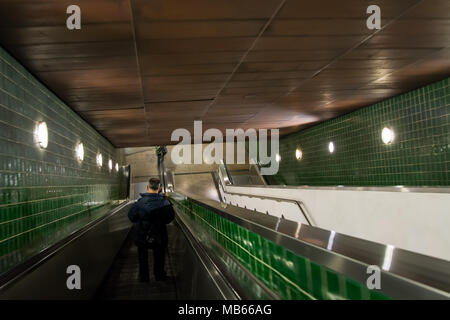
[
  {"x": 230, "y": 178},
  {"x": 222, "y": 284}
]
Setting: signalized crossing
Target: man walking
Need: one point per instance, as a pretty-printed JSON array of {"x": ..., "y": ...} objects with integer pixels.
[{"x": 152, "y": 212}]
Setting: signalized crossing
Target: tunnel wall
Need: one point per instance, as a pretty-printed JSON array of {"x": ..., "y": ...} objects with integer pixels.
[
  {"x": 418, "y": 156},
  {"x": 47, "y": 193}
]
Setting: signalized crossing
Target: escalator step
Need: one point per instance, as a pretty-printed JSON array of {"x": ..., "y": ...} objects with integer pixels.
[{"x": 121, "y": 282}]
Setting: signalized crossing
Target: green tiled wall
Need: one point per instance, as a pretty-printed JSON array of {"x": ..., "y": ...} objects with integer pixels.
[
  {"x": 46, "y": 193},
  {"x": 289, "y": 275},
  {"x": 419, "y": 155}
]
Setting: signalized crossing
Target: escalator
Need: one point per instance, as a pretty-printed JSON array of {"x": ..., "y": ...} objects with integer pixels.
[
  {"x": 223, "y": 252},
  {"x": 121, "y": 282},
  {"x": 107, "y": 257}
]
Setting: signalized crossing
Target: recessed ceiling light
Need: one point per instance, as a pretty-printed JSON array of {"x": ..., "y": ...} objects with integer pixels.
[
  {"x": 331, "y": 147},
  {"x": 80, "y": 151},
  {"x": 41, "y": 134},
  {"x": 298, "y": 154},
  {"x": 387, "y": 135}
]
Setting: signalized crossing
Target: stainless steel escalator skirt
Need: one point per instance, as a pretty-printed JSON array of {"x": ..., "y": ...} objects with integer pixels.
[{"x": 404, "y": 274}]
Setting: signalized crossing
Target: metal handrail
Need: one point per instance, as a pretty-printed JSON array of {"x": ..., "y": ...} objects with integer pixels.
[
  {"x": 230, "y": 178},
  {"x": 258, "y": 171},
  {"x": 301, "y": 205}
]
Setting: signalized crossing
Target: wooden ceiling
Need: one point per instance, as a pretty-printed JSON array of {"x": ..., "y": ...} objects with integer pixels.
[{"x": 139, "y": 69}]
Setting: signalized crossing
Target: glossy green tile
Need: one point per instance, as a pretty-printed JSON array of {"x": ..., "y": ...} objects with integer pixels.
[
  {"x": 46, "y": 194},
  {"x": 289, "y": 275},
  {"x": 333, "y": 283},
  {"x": 418, "y": 156},
  {"x": 353, "y": 290}
]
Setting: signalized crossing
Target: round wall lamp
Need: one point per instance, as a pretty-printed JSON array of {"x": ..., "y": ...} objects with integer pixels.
[
  {"x": 331, "y": 147},
  {"x": 299, "y": 154},
  {"x": 277, "y": 157},
  {"x": 79, "y": 150},
  {"x": 387, "y": 135},
  {"x": 41, "y": 134},
  {"x": 99, "y": 160}
]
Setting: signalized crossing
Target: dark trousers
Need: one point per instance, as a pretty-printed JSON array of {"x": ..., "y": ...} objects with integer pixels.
[{"x": 159, "y": 255}]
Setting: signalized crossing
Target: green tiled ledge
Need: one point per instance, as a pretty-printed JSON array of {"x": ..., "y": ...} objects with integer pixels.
[{"x": 290, "y": 276}]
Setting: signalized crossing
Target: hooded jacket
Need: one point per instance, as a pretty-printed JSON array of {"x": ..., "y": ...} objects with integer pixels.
[{"x": 152, "y": 212}]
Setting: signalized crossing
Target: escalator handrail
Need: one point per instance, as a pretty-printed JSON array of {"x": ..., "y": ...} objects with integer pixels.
[
  {"x": 223, "y": 286},
  {"x": 298, "y": 203},
  {"x": 230, "y": 178},
  {"x": 302, "y": 208}
]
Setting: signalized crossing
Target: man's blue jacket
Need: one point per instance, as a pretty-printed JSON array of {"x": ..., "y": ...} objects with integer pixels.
[{"x": 152, "y": 212}]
